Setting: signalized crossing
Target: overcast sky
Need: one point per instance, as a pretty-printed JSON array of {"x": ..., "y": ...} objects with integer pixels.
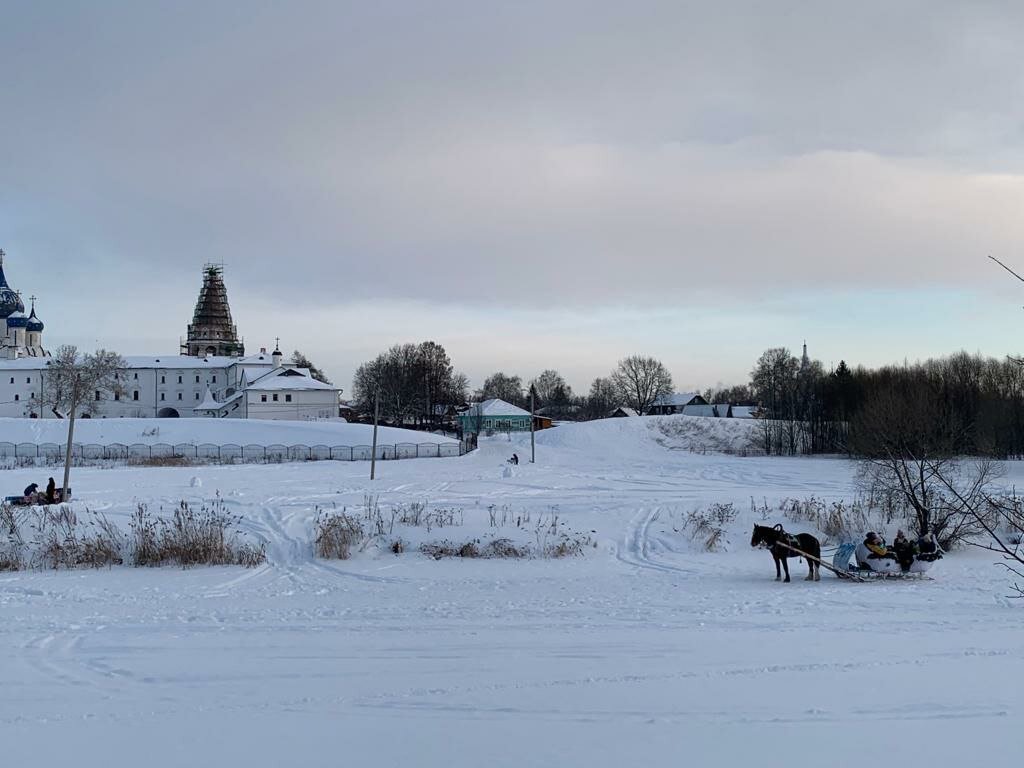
[{"x": 531, "y": 184}]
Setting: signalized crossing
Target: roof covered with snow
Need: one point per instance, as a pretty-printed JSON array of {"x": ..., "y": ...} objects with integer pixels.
[
  {"x": 495, "y": 407},
  {"x": 676, "y": 399},
  {"x": 289, "y": 378},
  {"x": 209, "y": 402}
]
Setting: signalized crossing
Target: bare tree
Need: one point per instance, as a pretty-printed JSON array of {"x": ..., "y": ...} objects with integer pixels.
[
  {"x": 301, "y": 361},
  {"x": 602, "y": 399},
  {"x": 640, "y": 381},
  {"x": 503, "y": 387},
  {"x": 911, "y": 445},
  {"x": 98, "y": 375},
  {"x": 551, "y": 388}
]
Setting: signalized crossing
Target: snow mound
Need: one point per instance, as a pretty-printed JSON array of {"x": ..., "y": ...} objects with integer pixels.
[{"x": 653, "y": 434}]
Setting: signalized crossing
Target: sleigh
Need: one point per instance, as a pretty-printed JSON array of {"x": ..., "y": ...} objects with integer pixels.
[
  {"x": 37, "y": 499},
  {"x": 857, "y": 558}
]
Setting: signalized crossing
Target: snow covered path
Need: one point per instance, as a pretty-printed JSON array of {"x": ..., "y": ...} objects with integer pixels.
[{"x": 638, "y": 653}]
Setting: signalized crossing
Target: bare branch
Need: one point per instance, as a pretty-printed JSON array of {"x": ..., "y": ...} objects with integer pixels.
[{"x": 997, "y": 261}]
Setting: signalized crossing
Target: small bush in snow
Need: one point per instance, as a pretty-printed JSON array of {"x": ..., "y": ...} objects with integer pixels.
[
  {"x": 336, "y": 534},
  {"x": 61, "y": 541},
  {"x": 496, "y": 548},
  {"x": 12, "y": 541},
  {"x": 207, "y": 536},
  {"x": 708, "y": 526}
]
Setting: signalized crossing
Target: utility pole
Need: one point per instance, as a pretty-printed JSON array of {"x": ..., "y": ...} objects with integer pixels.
[
  {"x": 533, "y": 416},
  {"x": 376, "y": 416},
  {"x": 71, "y": 437}
]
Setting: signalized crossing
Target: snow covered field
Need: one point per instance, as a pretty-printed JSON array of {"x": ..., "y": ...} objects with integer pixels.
[{"x": 642, "y": 652}]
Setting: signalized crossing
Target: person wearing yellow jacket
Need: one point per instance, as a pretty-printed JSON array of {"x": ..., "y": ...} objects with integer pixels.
[{"x": 876, "y": 545}]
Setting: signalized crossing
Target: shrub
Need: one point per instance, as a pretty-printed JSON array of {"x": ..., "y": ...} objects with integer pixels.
[
  {"x": 708, "y": 526},
  {"x": 336, "y": 534},
  {"x": 189, "y": 537},
  {"x": 60, "y": 542}
]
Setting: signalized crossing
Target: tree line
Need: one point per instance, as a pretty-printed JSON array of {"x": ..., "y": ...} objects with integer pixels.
[{"x": 964, "y": 403}]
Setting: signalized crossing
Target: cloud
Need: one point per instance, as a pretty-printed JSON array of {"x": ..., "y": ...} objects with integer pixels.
[{"x": 597, "y": 157}]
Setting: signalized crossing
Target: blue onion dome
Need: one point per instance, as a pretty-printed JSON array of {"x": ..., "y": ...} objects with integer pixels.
[
  {"x": 17, "y": 320},
  {"x": 34, "y": 323},
  {"x": 10, "y": 301}
]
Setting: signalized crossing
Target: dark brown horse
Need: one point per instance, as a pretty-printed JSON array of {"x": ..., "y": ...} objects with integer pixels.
[{"x": 774, "y": 537}]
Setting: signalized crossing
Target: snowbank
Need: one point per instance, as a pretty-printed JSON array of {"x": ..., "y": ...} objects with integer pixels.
[
  {"x": 220, "y": 431},
  {"x": 647, "y": 435}
]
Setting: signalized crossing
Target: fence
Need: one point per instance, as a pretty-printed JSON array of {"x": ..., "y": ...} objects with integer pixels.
[{"x": 232, "y": 452}]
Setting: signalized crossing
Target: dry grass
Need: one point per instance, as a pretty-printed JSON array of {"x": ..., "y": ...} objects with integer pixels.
[
  {"x": 163, "y": 461},
  {"x": 189, "y": 537},
  {"x": 61, "y": 540},
  {"x": 337, "y": 533},
  {"x": 12, "y": 541},
  {"x": 496, "y": 548}
]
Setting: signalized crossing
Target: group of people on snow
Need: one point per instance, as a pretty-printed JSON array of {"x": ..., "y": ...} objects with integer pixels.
[
  {"x": 903, "y": 550},
  {"x": 33, "y": 496}
]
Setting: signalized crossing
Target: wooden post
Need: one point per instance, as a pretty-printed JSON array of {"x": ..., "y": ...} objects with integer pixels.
[
  {"x": 376, "y": 416},
  {"x": 533, "y": 416},
  {"x": 71, "y": 437}
]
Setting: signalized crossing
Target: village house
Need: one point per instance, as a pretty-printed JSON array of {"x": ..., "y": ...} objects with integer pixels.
[{"x": 678, "y": 402}]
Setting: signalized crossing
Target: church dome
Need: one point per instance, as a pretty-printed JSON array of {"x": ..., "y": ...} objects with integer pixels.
[
  {"x": 34, "y": 323},
  {"x": 17, "y": 319},
  {"x": 10, "y": 301}
]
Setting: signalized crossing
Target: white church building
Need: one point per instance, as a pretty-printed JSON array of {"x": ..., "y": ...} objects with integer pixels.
[{"x": 211, "y": 377}]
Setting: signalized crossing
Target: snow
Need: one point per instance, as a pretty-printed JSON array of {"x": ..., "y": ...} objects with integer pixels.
[
  {"x": 644, "y": 651},
  {"x": 278, "y": 381},
  {"x": 496, "y": 407},
  {"x": 205, "y": 430},
  {"x": 676, "y": 399}
]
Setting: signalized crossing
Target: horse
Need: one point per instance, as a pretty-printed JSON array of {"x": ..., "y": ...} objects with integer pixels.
[{"x": 772, "y": 536}]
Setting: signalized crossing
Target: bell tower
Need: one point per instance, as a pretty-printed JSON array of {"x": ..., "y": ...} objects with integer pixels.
[{"x": 212, "y": 331}]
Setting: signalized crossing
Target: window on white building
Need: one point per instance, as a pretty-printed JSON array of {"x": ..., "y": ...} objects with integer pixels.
[
  {"x": 161, "y": 395},
  {"x": 117, "y": 396},
  {"x": 163, "y": 379},
  {"x": 17, "y": 398},
  {"x": 197, "y": 395},
  {"x": 135, "y": 395},
  {"x": 263, "y": 398},
  {"x": 28, "y": 380},
  {"x": 287, "y": 398},
  {"x": 135, "y": 376},
  {"x": 179, "y": 394},
  {"x": 197, "y": 379},
  {"x": 179, "y": 379},
  {"x": 214, "y": 379},
  {"x": 97, "y": 395},
  {"x": 275, "y": 398}
]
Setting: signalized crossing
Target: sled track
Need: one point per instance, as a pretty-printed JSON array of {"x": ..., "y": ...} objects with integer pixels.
[{"x": 635, "y": 548}]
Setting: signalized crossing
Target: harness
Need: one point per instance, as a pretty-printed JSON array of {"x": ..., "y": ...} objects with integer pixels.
[{"x": 790, "y": 540}]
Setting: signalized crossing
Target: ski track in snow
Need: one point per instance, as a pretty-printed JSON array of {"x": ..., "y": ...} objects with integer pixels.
[{"x": 641, "y": 649}]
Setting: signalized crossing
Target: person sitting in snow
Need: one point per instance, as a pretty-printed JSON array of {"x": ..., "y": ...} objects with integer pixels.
[
  {"x": 514, "y": 459},
  {"x": 904, "y": 550},
  {"x": 30, "y": 492},
  {"x": 876, "y": 546},
  {"x": 51, "y": 492}
]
